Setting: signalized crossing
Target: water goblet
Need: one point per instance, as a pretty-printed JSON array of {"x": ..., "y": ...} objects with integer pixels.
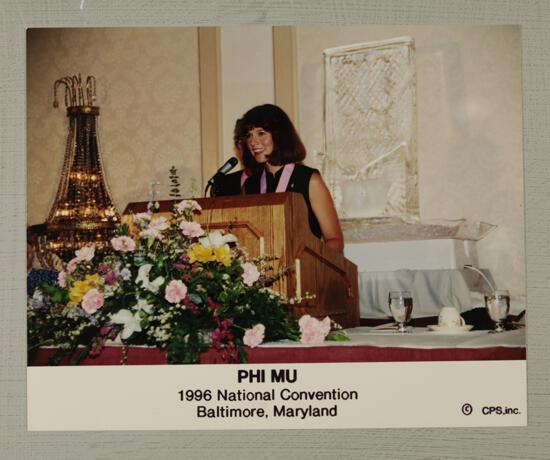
[
  {"x": 401, "y": 304},
  {"x": 498, "y": 305}
]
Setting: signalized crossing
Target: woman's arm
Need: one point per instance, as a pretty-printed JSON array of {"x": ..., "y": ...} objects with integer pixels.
[{"x": 323, "y": 207}]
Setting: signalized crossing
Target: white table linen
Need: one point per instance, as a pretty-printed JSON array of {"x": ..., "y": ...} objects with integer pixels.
[
  {"x": 431, "y": 290},
  {"x": 420, "y": 337}
]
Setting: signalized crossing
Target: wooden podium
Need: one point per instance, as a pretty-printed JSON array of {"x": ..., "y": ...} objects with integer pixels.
[{"x": 277, "y": 224}]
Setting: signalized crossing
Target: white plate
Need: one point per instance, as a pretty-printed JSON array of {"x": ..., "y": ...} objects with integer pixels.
[{"x": 450, "y": 330}]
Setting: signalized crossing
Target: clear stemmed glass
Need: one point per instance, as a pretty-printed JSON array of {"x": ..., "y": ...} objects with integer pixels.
[
  {"x": 498, "y": 305},
  {"x": 401, "y": 304}
]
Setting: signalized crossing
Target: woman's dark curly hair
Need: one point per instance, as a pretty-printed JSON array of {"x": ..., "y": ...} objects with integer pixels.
[{"x": 287, "y": 145}]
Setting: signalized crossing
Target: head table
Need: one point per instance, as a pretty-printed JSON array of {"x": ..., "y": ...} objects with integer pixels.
[{"x": 366, "y": 344}]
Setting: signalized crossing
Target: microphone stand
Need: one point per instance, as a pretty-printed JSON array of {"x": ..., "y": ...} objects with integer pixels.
[
  {"x": 227, "y": 166},
  {"x": 471, "y": 267}
]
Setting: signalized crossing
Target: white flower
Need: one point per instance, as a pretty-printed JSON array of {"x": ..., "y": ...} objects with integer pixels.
[
  {"x": 125, "y": 274},
  {"x": 142, "y": 304},
  {"x": 216, "y": 239},
  {"x": 109, "y": 291},
  {"x": 130, "y": 322},
  {"x": 143, "y": 276},
  {"x": 37, "y": 295}
]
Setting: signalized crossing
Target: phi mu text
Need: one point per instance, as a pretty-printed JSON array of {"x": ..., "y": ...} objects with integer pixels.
[{"x": 259, "y": 375}]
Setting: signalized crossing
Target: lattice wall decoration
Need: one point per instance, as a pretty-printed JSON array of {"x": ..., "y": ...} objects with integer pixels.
[{"x": 370, "y": 130}]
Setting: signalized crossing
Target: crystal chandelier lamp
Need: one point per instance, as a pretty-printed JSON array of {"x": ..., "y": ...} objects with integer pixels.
[{"x": 83, "y": 212}]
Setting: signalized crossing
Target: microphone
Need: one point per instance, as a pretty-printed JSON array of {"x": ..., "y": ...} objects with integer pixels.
[{"x": 227, "y": 166}]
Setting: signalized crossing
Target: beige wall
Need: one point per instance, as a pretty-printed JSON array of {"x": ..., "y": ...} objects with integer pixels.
[
  {"x": 148, "y": 94},
  {"x": 247, "y": 75},
  {"x": 470, "y": 158}
]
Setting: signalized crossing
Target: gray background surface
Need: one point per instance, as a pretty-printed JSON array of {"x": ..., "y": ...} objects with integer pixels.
[{"x": 16, "y": 443}]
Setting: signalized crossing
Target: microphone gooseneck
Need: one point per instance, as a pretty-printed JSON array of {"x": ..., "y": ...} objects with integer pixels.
[{"x": 226, "y": 167}]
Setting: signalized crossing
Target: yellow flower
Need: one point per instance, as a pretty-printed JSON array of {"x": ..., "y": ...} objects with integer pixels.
[
  {"x": 80, "y": 288},
  {"x": 201, "y": 254},
  {"x": 94, "y": 279},
  {"x": 223, "y": 255}
]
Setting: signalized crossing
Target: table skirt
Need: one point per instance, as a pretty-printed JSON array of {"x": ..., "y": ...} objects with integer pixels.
[{"x": 112, "y": 355}]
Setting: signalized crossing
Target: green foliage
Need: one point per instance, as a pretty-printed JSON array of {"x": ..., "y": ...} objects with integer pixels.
[
  {"x": 337, "y": 337},
  {"x": 174, "y": 183}
]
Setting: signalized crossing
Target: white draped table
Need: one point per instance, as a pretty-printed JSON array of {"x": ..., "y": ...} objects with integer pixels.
[{"x": 419, "y": 337}]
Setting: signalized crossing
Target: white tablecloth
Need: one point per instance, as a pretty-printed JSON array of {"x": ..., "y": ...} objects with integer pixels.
[
  {"x": 420, "y": 337},
  {"x": 431, "y": 290}
]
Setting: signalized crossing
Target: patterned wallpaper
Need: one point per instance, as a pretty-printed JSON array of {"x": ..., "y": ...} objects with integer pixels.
[{"x": 148, "y": 94}]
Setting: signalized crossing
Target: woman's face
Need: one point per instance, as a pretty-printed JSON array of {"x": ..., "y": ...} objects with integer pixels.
[{"x": 259, "y": 143}]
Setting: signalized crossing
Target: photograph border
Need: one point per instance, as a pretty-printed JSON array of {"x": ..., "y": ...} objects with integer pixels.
[{"x": 530, "y": 442}]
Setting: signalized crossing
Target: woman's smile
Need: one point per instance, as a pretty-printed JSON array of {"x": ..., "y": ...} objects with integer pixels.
[{"x": 259, "y": 143}]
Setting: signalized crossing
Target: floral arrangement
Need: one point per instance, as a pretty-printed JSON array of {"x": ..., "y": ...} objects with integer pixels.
[{"x": 172, "y": 286}]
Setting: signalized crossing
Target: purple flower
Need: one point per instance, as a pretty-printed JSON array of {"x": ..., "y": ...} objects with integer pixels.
[
  {"x": 110, "y": 277},
  {"x": 81, "y": 312},
  {"x": 37, "y": 304},
  {"x": 216, "y": 334},
  {"x": 74, "y": 313},
  {"x": 125, "y": 274},
  {"x": 104, "y": 268},
  {"x": 93, "y": 321}
]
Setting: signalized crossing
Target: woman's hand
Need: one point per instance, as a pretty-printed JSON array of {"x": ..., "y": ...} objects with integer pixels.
[{"x": 323, "y": 207}]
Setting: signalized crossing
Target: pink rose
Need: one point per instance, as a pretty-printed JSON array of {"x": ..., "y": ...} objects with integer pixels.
[
  {"x": 123, "y": 243},
  {"x": 188, "y": 204},
  {"x": 191, "y": 228},
  {"x": 175, "y": 291},
  {"x": 85, "y": 253},
  {"x": 62, "y": 278},
  {"x": 313, "y": 331},
  {"x": 255, "y": 336},
  {"x": 160, "y": 223},
  {"x": 92, "y": 301},
  {"x": 153, "y": 232},
  {"x": 250, "y": 273},
  {"x": 71, "y": 266}
]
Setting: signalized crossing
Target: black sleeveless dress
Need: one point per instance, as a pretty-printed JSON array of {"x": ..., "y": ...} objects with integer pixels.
[
  {"x": 230, "y": 184},
  {"x": 298, "y": 183}
]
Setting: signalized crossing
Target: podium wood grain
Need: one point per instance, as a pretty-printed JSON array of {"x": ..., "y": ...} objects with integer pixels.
[{"x": 277, "y": 224}]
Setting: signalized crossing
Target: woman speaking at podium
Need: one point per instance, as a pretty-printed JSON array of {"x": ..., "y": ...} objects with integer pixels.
[{"x": 272, "y": 152}]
